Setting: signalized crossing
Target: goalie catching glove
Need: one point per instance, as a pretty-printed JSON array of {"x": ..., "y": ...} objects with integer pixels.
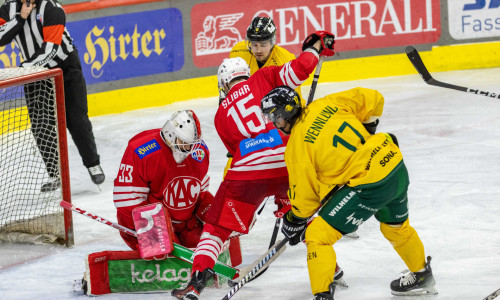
[
  {"x": 327, "y": 42},
  {"x": 294, "y": 228}
]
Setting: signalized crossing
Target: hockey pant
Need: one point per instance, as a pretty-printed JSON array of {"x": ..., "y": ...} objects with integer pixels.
[
  {"x": 43, "y": 121},
  {"x": 321, "y": 257},
  {"x": 233, "y": 210}
]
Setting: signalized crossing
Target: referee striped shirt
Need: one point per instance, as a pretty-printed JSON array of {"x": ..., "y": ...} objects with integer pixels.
[{"x": 42, "y": 38}]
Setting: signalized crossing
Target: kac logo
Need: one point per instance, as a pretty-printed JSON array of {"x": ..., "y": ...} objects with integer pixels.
[{"x": 182, "y": 192}]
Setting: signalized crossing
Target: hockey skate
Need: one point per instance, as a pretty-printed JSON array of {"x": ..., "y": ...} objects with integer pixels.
[
  {"x": 326, "y": 296},
  {"x": 51, "y": 186},
  {"x": 96, "y": 174},
  {"x": 415, "y": 283},
  {"x": 338, "y": 279},
  {"x": 195, "y": 286}
]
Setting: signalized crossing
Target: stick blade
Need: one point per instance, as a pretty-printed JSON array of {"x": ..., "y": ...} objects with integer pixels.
[{"x": 417, "y": 62}]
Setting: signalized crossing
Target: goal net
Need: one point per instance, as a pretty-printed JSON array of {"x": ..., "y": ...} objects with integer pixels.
[{"x": 34, "y": 175}]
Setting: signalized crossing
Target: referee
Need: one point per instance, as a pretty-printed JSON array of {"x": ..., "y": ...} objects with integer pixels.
[{"x": 38, "y": 29}]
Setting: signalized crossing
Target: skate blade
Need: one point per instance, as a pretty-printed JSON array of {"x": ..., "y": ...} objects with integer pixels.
[
  {"x": 78, "y": 286},
  {"x": 340, "y": 283},
  {"x": 352, "y": 235},
  {"x": 417, "y": 292}
]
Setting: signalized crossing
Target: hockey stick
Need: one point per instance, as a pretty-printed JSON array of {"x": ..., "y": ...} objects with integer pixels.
[
  {"x": 180, "y": 252},
  {"x": 309, "y": 100},
  {"x": 270, "y": 255},
  {"x": 248, "y": 268},
  {"x": 315, "y": 81},
  {"x": 274, "y": 251},
  {"x": 492, "y": 295},
  {"x": 417, "y": 62}
]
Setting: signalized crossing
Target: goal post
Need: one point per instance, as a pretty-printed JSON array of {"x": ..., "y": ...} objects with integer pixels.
[{"x": 34, "y": 168}]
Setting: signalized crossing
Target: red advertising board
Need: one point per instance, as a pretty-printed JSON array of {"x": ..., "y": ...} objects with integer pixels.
[{"x": 357, "y": 24}]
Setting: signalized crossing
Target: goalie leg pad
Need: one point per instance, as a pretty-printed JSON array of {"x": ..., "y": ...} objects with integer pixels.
[{"x": 125, "y": 272}]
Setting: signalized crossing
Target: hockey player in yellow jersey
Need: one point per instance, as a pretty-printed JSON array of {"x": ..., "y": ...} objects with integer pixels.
[
  {"x": 333, "y": 153},
  {"x": 259, "y": 49}
]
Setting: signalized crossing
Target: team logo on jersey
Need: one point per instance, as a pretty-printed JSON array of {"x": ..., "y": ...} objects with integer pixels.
[
  {"x": 181, "y": 192},
  {"x": 198, "y": 155},
  {"x": 147, "y": 148},
  {"x": 39, "y": 18}
]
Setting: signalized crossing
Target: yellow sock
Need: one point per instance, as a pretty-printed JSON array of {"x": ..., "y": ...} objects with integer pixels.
[
  {"x": 321, "y": 258},
  {"x": 407, "y": 244}
]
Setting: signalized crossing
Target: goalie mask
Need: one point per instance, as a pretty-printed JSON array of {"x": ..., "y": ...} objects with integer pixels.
[
  {"x": 281, "y": 103},
  {"x": 230, "y": 69},
  {"x": 182, "y": 134}
]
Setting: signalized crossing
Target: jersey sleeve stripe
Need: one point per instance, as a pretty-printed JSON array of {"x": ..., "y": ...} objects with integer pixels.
[
  {"x": 118, "y": 197},
  {"x": 257, "y": 155},
  {"x": 260, "y": 167},
  {"x": 129, "y": 203},
  {"x": 262, "y": 160},
  {"x": 126, "y": 189},
  {"x": 289, "y": 77}
]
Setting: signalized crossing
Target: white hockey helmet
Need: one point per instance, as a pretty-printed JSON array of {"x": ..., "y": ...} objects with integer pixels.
[
  {"x": 230, "y": 69},
  {"x": 182, "y": 134}
]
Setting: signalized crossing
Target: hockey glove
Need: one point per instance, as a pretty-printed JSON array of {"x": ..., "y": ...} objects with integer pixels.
[
  {"x": 371, "y": 127},
  {"x": 283, "y": 206},
  {"x": 327, "y": 42},
  {"x": 294, "y": 228}
]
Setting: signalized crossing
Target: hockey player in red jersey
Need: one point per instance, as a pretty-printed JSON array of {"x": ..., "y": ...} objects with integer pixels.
[
  {"x": 258, "y": 168},
  {"x": 168, "y": 166}
]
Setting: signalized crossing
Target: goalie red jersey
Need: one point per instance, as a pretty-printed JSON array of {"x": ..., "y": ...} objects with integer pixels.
[
  {"x": 148, "y": 173},
  {"x": 256, "y": 145}
]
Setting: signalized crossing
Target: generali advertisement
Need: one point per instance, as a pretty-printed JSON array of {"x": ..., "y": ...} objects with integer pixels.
[{"x": 357, "y": 25}]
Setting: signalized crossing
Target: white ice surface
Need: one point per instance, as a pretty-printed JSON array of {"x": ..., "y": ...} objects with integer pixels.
[{"x": 451, "y": 144}]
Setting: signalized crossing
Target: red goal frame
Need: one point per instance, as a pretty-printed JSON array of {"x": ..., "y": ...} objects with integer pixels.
[{"x": 57, "y": 74}]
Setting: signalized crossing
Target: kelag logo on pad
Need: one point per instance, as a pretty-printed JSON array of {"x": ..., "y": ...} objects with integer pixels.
[
  {"x": 357, "y": 25},
  {"x": 130, "y": 45}
]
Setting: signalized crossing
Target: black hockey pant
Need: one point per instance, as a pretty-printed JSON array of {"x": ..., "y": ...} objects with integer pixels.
[{"x": 77, "y": 120}]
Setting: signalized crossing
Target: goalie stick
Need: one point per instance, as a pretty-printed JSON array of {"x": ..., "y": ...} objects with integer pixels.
[
  {"x": 492, "y": 295},
  {"x": 180, "y": 252},
  {"x": 417, "y": 62}
]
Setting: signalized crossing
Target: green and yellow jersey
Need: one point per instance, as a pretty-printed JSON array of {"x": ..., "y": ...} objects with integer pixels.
[{"x": 329, "y": 146}]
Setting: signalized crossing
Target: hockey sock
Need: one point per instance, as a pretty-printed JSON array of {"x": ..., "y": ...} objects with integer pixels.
[
  {"x": 321, "y": 258},
  {"x": 407, "y": 244},
  {"x": 209, "y": 247}
]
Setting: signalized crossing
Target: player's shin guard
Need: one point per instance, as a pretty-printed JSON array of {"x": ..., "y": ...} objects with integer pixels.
[
  {"x": 407, "y": 244},
  {"x": 321, "y": 258}
]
